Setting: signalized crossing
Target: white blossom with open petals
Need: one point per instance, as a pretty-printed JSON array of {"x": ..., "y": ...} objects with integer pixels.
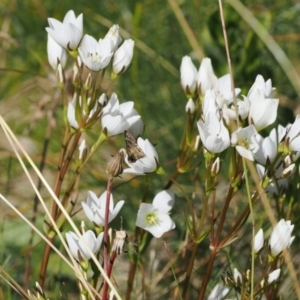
[
  {"x": 214, "y": 135},
  {"x": 116, "y": 118},
  {"x": 56, "y": 53},
  {"x": 123, "y": 57},
  {"x": 264, "y": 87},
  {"x": 244, "y": 141},
  {"x": 243, "y": 107},
  {"x": 281, "y": 237},
  {"x": 155, "y": 217},
  {"x": 79, "y": 249},
  {"x": 267, "y": 150},
  {"x": 94, "y": 208},
  {"x": 95, "y": 55},
  {"x": 188, "y": 73},
  {"x": 263, "y": 111},
  {"x": 224, "y": 90},
  {"x": 293, "y": 135},
  {"x": 144, "y": 165},
  {"x": 68, "y": 33}
]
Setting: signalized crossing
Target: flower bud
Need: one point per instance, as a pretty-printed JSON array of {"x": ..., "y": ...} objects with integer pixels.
[
  {"x": 197, "y": 143},
  {"x": 215, "y": 168},
  {"x": 82, "y": 150},
  {"x": 237, "y": 276},
  {"x": 102, "y": 100},
  {"x": 123, "y": 57},
  {"x": 60, "y": 76},
  {"x": 258, "y": 241},
  {"x": 88, "y": 82},
  {"x": 289, "y": 171},
  {"x": 188, "y": 73},
  {"x": 56, "y": 54},
  {"x": 273, "y": 276},
  {"x": 76, "y": 76},
  {"x": 114, "y": 35},
  {"x": 190, "y": 107},
  {"x": 281, "y": 238},
  {"x": 206, "y": 79}
]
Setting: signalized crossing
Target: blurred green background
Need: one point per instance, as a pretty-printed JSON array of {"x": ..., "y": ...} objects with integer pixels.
[{"x": 164, "y": 31}]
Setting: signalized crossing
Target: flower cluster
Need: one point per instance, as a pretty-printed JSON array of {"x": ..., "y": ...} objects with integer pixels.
[
  {"x": 274, "y": 154},
  {"x": 88, "y": 106},
  {"x": 279, "y": 240},
  {"x": 96, "y": 55}
]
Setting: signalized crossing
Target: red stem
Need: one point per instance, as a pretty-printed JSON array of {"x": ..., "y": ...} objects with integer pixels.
[{"x": 105, "y": 238}]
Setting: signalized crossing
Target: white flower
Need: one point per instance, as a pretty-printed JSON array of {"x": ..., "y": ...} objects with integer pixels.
[
  {"x": 258, "y": 241},
  {"x": 117, "y": 118},
  {"x": 67, "y": 34},
  {"x": 206, "y": 79},
  {"x": 94, "y": 208},
  {"x": 144, "y": 165},
  {"x": 219, "y": 292},
  {"x": 237, "y": 276},
  {"x": 214, "y": 135},
  {"x": 224, "y": 91},
  {"x": 75, "y": 116},
  {"x": 267, "y": 150},
  {"x": 263, "y": 111},
  {"x": 210, "y": 105},
  {"x": 243, "y": 107},
  {"x": 188, "y": 73},
  {"x": 95, "y": 55},
  {"x": 155, "y": 217},
  {"x": 264, "y": 87},
  {"x": 114, "y": 36},
  {"x": 281, "y": 238},
  {"x": 79, "y": 249},
  {"x": 244, "y": 141},
  {"x": 123, "y": 57},
  {"x": 293, "y": 136},
  {"x": 273, "y": 276},
  {"x": 56, "y": 54},
  {"x": 190, "y": 106},
  {"x": 137, "y": 127}
]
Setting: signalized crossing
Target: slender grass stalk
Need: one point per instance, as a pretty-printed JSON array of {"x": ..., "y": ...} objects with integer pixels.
[{"x": 13, "y": 141}]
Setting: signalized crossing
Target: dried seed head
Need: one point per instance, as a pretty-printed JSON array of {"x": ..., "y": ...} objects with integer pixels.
[{"x": 114, "y": 167}]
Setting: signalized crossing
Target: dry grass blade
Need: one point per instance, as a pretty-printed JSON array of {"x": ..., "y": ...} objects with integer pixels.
[{"x": 14, "y": 143}]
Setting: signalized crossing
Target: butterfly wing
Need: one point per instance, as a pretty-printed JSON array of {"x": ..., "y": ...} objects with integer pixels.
[{"x": 134, "y": 152}]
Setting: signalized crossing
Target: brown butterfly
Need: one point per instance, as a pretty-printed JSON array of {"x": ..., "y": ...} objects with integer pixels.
[{"x": 134, "y": 152}]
